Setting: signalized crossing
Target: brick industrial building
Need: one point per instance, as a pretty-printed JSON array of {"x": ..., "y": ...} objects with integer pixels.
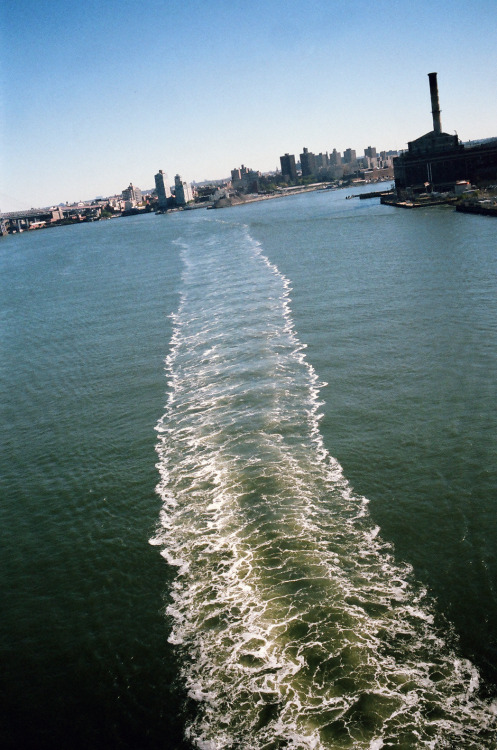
[{"x": 437, "y": 161}]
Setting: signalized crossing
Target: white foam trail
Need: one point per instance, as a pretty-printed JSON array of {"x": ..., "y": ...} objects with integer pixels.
[{"x": 297, "y": 627}]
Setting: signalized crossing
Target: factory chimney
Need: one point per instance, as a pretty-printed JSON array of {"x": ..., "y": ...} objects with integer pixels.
[{"x": 435, "y": 107}]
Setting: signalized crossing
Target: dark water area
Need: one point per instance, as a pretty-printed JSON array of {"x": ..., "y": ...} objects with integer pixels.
[
  {"x": 321, "y": 483},
  {"x": 85, "y": 659}
]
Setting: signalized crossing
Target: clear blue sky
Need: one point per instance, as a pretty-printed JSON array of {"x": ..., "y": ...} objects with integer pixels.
[{"x": 95, "y": 95}]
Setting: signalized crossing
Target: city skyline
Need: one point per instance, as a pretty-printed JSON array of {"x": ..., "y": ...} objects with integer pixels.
[
  {"x": 165, "y": 188},
  {"x": 94, "y": 101}
]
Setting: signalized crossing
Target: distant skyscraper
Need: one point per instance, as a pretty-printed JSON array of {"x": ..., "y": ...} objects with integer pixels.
[
  {"x": 288, "y": 168},
  {"x": 307, "y": 163},
  {"x": 163, "y": 190},
  {"x": 335, "y": 158},
  {"x": 370, "y": 152},
  {"x": 182, "y": 191},
  {"x": 349, "y": 156}
]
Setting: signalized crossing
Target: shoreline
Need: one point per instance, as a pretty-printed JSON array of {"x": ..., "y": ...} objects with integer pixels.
[
  {"x": 224, "y": 202},
  {"x": 316, "y": 187}
]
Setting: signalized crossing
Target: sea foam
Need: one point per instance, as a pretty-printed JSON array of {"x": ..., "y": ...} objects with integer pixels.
[{"x": 295, "y": 624}]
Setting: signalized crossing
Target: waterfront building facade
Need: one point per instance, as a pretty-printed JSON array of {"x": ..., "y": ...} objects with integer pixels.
[{"x": 441, "y": 170}]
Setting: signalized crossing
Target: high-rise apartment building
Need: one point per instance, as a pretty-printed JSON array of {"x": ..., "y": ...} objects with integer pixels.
[
  {"x": 288, "y": 168},
  {"x": 307, "y": 163},
  {"x": 349, "y": 156},
  {"x": 132, "y": 194},
  {"x": 245, "y": 179},
  {"x": 335, "y": 158},
  {"x": 322, "y": 161},
  {"x": 162, "y": 188},
  {"x": 182, "y": 191}
]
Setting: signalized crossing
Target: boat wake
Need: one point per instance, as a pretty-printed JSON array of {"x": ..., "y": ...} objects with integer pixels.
[{"x": 295, "y": 625}]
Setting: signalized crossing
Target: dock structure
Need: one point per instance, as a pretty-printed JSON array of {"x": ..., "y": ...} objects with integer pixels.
[
  {"x": 420, "y": 202},
  {"x": 481, "y": 207}
]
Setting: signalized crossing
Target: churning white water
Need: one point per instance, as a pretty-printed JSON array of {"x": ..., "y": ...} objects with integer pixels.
[{"x": 295, "y": 625}]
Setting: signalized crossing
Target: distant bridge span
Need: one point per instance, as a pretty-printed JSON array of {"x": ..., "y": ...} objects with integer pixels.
[{"x": 21, "y": 220}]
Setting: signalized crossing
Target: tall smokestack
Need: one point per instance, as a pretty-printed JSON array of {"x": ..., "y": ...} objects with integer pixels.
[{"x": 435, "y": 106}]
